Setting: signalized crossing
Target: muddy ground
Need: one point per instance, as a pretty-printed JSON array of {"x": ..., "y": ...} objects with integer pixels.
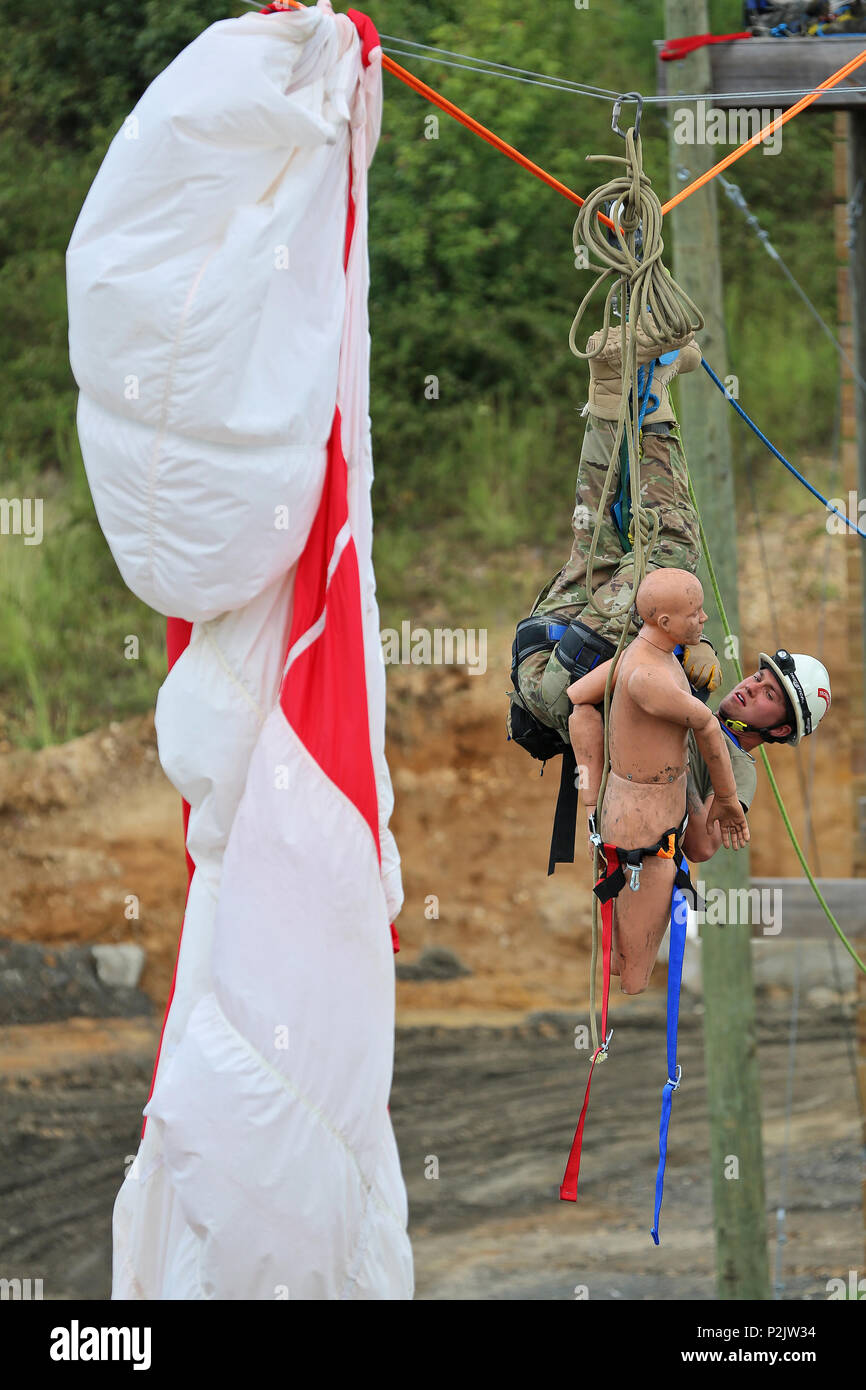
[
  {"x": 487, "y": 1079},
  {"x": 496, "y": 1108}
]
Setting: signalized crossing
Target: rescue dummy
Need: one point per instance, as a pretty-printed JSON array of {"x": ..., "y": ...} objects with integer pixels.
[{"x": 643, "y": 810}]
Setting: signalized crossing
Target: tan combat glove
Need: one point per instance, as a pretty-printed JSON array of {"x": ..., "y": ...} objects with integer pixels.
[{"x": 702, "y": 666}]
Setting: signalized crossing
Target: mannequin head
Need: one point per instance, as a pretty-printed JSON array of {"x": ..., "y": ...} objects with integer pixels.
[{"x": 671, "y": 604}]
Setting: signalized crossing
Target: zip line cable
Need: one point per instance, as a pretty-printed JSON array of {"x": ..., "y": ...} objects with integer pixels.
[
  {"x": 564, "y": 84},
  {"x": 573, "y": 88},
  {"x": 496, "y": 69},
  {"x": 493, "y": 68},
  {"x": 478, "y": 129}
]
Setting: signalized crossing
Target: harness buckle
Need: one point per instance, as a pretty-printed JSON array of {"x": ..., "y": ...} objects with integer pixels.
[{"x": 675, "y": 1085}]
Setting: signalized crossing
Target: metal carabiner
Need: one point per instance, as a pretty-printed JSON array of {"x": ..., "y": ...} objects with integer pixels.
[
  {"x": 602, "y": 1052},
  {"x": 634, "y": 885},
  {"x": 617, "y": 107}
]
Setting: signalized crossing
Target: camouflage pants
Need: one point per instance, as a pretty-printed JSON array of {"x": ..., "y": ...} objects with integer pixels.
[{"x": 542, "y": 678}]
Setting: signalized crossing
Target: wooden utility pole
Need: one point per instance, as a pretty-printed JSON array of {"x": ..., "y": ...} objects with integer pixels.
[
  {"x": 736, "y": 1151},
  {"x": 849, "y": 168}
]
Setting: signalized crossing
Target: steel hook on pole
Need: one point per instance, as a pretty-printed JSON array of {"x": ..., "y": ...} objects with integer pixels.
[{"x": 617, "y": 107}]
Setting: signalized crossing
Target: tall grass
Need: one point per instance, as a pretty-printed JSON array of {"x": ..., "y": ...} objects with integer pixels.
[{"x": 65, "y": 617}]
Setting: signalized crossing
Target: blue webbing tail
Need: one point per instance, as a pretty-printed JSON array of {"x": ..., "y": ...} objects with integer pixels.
[{"x": 679, "y": 921}]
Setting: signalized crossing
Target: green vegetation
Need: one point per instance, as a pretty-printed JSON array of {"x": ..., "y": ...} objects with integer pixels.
[{"x": 473, "y": 282}]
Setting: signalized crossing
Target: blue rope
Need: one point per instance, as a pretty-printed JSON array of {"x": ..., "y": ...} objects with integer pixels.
[
  {"x": 643, "y": 390},
  {"x": 773, "y": 450},
  {"x": 676, "y": 952}
]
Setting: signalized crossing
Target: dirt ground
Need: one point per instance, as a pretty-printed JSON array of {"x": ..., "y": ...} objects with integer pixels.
[
  {"x": 496, "y": 1107},
  {"x": 487, "y": 1078}
]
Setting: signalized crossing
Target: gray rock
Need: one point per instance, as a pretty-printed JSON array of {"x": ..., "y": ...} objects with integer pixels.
[
  {"x": 820, "y": 997},
  {"x": 45, "y": 983},
  {"x": 434, "y": 963},
  {"x": 119, "y": 966}
]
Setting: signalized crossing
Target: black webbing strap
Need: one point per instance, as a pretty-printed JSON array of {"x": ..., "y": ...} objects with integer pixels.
[
  {"x": 683, "y": 881},
  {"x": 612, "y": 886},
  {"x": 565, "y": 815}
]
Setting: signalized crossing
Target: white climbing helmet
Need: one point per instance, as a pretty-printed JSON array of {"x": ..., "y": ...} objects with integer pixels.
[{"x": 807, "y": 685}]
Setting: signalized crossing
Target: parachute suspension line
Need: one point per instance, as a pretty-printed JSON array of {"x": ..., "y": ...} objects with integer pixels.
[
  {"x": 766, "y": 761},
  {"x": 654, "y": 305}
]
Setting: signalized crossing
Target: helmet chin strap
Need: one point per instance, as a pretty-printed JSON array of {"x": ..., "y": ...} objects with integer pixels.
[{"x": 737, "y": 726}]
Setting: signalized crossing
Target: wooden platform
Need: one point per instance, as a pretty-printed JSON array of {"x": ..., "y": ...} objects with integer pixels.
[
  {"x": 770, "y": 66},
  {"x": 802, "y": 914}
]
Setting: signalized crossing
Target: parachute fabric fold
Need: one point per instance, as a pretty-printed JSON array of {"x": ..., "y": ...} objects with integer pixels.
[{"x": 218, "y": 279}]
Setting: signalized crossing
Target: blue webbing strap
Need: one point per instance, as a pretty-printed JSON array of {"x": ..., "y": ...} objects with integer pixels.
[
  {"x": 621, "y": 508},
  {"x": 679, "y": 920}
]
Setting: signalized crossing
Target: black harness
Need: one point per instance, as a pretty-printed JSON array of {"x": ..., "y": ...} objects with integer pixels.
[{"x": 667, "y": 846}]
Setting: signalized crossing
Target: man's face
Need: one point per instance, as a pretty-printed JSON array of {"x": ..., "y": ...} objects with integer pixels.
[{"x": 758, "y": 700}]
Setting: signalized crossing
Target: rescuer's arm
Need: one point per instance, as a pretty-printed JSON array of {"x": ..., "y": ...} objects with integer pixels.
[{"x": 698, "y": 845}]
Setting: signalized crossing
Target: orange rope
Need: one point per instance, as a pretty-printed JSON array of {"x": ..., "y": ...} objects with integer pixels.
[
  {"x": 504, "y": 148},
  {"x": 471, "y": 124},
  {"x": 774, "y": 125},
  {"x": 475, "y": 126}
]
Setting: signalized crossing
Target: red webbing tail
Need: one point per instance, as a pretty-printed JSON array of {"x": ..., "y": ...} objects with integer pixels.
[{"x": 568, "y": 1187}]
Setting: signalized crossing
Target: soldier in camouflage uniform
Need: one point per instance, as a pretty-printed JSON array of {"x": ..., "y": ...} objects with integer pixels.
[{"x": 542, "y": 677}]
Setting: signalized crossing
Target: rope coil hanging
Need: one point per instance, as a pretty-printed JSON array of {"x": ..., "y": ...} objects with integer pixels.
[{"x": 654, "y": 306}]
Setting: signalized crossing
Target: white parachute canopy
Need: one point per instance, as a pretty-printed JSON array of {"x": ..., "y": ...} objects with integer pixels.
[
  {"x": 218, "y": 278},
  {"x": 206, "y": 303}
]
